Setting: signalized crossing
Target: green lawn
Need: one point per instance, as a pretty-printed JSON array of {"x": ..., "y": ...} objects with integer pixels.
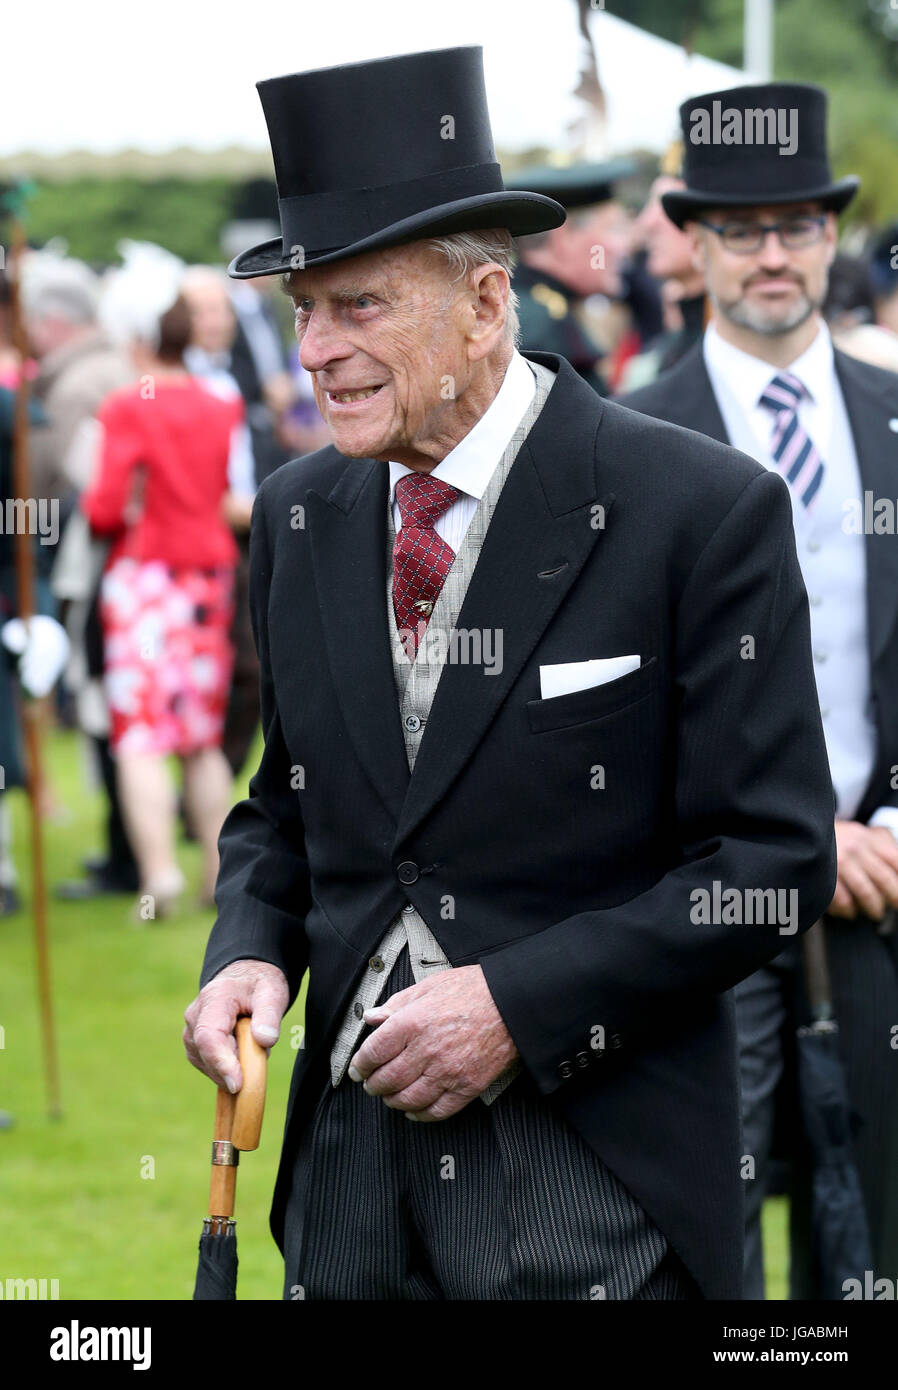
[{"x": 75, "y": 1203}]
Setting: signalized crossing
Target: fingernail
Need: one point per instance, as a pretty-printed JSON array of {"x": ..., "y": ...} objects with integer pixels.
[
  {"x": 354, "y": 1074},
  {"x": 410, "y": 1116},
  {"x": 264, "y": 1033},
  {"x": 231, "y": 1084}
]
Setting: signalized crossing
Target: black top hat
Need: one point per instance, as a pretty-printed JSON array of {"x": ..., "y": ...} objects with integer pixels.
[
  {"x": 374, "y": 154},
  {"x": 576, "y": 185},
  {"x": 750, "y": 146}
]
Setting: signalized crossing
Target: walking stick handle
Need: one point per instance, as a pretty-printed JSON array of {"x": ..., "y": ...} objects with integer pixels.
[
  {"x": 238, "y": 1123},
  {"x": 249, "y": 1103}
]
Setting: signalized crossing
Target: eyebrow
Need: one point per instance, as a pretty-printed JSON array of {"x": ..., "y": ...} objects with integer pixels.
[{"x": 345, "y": 294}]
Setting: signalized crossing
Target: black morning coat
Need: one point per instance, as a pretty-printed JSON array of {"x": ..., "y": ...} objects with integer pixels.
[
  {"x": 685, "y": 396},
  {"x": 558, "y": 842}
]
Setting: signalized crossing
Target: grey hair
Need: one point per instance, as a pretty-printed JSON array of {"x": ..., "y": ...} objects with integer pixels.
[
  {"x": 59, "y": 288},
  {"x": 465, "y": 251}
]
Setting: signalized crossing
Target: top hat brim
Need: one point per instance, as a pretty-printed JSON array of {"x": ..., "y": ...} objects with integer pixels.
[
  {"x": 522, "y": 214},
  {"x": 682, "y": 204}
]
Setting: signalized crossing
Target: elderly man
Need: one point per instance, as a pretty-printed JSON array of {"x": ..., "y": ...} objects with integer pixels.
[
  {"x": 515, "y": 749},
  {"x": 766, "y": 379}
]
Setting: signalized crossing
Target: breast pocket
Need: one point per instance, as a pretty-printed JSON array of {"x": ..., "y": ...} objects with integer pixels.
[{"x": 596, "y": 702}]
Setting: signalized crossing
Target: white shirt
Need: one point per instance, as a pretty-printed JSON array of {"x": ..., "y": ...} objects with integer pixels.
[
  {"x": 470, "y": 465},
  {"x": 833, "y": 562}
]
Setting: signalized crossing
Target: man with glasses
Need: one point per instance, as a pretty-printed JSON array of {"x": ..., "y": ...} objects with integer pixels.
[{"x": 766, "y": 379}]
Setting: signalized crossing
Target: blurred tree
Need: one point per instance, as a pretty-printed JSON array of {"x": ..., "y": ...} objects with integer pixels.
[{"x": 186, "y": 216}]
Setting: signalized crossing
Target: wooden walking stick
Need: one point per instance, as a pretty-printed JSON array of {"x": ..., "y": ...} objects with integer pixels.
[
  {"x": 238, "y": 1124},
  {"x": 31, "y": 708}
]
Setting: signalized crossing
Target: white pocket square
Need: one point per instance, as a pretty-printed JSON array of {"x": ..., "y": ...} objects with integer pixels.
[{"x": 564, "y": 677}]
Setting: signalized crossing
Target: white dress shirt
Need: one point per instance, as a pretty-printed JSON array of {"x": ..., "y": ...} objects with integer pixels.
[
  {"x": 470, "y": 465},
  {"x": 832, "y": 560}
]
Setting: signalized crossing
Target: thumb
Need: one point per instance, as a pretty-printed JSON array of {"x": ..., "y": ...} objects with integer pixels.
[{"x": 268, "y": 1010}]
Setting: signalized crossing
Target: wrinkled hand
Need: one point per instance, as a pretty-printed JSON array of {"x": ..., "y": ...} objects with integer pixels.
[
  {"x": 868, "y": 870},
  {"x": 438, "y": 1044},
  {"x": 245, "y": 987}
]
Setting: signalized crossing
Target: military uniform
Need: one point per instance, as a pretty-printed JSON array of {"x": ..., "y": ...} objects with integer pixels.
[{"x": 549, "y": 324}]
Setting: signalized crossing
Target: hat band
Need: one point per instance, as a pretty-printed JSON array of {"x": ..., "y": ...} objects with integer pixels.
[
  {"x": 756, "y": 176},
  {"x": 314, "y": 221}
]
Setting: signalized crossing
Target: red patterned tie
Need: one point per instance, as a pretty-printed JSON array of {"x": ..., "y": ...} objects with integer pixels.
[{"x": 421, "y": 558}]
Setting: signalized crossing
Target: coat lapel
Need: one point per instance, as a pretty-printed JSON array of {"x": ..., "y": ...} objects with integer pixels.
[
  {"x": 347, "y": 531},
  {"x": 870, "y": 408}
]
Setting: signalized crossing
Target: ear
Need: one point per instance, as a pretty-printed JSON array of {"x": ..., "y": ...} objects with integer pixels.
[
  {"x": 697, "y": 250},
  {"x": 489, "y": 299}
]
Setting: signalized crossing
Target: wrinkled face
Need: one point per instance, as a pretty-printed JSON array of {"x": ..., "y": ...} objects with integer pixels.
[
  {"x": 669, "y": 251},
  {"x": 771, "y": 291},
  {"x": 384, "y": 336}
]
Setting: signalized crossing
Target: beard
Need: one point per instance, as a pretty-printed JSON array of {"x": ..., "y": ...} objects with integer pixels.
[{"x": 769, "y": 322}]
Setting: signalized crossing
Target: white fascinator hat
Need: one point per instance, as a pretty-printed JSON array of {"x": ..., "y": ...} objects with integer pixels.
[{"x": 137, "y": 294}]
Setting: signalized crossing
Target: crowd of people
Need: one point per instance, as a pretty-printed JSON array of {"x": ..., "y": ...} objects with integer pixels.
[{"x": 159, "y": 400}]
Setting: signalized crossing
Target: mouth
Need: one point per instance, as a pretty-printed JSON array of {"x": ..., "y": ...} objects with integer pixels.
[
  {"x": 348, "y": 398},
  {"x": 773, "y": 286}
]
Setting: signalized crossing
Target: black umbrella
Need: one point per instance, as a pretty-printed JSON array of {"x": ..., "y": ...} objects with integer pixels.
[
  {"x": 839, "y": 1219},
  {"x": 238, "y": 1123}
]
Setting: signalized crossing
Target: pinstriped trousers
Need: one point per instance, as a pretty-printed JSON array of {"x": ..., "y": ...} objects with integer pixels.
[{"x": 505, "y": 1201}]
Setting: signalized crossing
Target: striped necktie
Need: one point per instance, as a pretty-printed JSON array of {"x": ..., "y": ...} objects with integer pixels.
[{"x": 793, "y": 450}]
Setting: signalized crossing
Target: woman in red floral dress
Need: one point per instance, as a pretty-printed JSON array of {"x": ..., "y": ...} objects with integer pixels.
[{"x": 166, "y": 600}]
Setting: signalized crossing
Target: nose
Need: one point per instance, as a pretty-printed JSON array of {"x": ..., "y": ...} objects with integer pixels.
[
  {"x": 320, "y": 343},
  {"x": 772, "y": 252}
]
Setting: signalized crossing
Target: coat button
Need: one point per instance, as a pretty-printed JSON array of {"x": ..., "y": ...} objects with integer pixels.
[
  {"x": 358, "y": 1009},
  {"x": 376, "y": 962},
  {"x": 582, "y": 1059},
  {"x": 409, "y": 907},
  {"x": 565, "y": 1070},
  {"x": 408, "y": 872},
  {"x": 412, "y": 723}
]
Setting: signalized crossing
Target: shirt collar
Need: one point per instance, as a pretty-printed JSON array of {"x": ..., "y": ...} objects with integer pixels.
[
  {"x": 470, "y": 465},
  {"x": 747, "y": 376}
]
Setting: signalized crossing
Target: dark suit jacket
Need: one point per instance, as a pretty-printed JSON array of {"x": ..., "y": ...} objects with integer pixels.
[
  {"x": 686, "y": 397},
  {"x": 575, "y": 899}
]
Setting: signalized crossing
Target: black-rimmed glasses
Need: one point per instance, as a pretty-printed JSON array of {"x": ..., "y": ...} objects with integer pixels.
[{"x": 746, "y": 238}]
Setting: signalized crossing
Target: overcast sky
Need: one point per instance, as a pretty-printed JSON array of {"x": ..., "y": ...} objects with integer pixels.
[{"x": 103, "y": 75}]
